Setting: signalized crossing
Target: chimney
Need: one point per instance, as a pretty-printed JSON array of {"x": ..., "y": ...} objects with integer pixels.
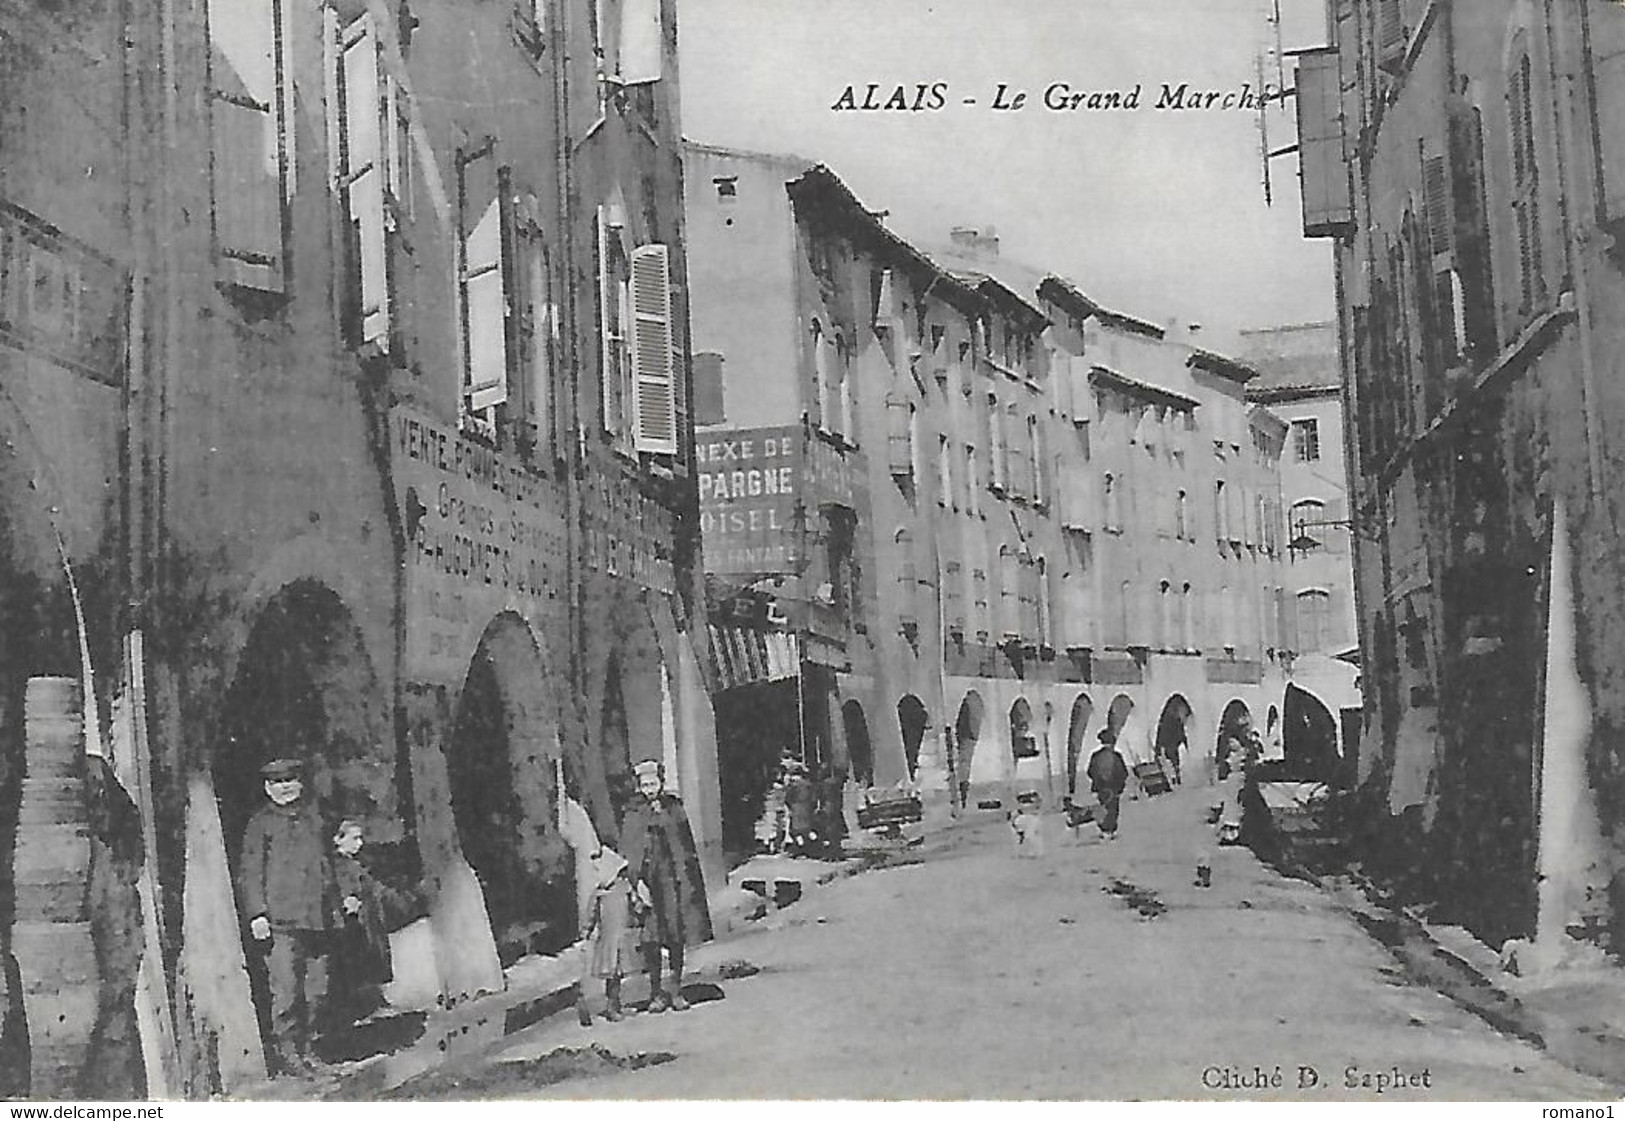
[
  {"x": 987, "y": 245},
  {"x": 963, "y": 238}
]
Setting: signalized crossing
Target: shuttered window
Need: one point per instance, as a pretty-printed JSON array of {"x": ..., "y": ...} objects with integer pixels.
[
  {"x": 995, "y": 443},
  {"x": 368, "y": 171},
  {"x": 900, "y": 436},
  {"x": 654, "y": 400},
  {"x": 614, "y": 313},
  {"x": 1525, "y": 182},
  {"x": 1471, "y": 233},
  {"x": 486, "y": 310},
  {"x": 953, "y": 593},
  {"x": 251, "y": 110},
  {"x": 1041, "y": 574},
  {"x": 640, "y": 48}
]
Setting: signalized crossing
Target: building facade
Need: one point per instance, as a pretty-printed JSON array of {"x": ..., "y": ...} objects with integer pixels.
[
  {"x": 1466, "y": 164},
  {"x": 351, "y": 381},
  {"x": 1065, "y": 520},
  {"x": 1299, "y": 382}
]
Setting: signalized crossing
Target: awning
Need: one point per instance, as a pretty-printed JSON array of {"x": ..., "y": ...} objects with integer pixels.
[{"x": 750, "y": 657}]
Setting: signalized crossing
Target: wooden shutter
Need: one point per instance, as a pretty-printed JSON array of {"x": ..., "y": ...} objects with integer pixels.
[
  {"x": 610, "y": 326},
  {"x": 641, "y": 42},
  {"x": 899, "y": 442},
  {"x": 1390, "y": 31},
  {"x": 247, "y": 110},
  {"x": 680, "y": 377},
  {"x": 654, "y": 403},
  {"x": 1471, "y": 233},
  {"x": 1324, "y": 173},
  {"x": 487, "y": 310},
  {"x": 1436, "y": 197},
  {"x": 364, "y": 179}
]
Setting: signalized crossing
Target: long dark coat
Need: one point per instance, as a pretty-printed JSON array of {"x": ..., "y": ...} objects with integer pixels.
[
  {"x": 286, "y": 871},
  {"x": 660, "y": 851}
]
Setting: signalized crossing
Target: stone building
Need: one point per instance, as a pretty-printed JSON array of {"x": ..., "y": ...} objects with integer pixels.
[
  {"x": 344, "y": 364},
  {"x": 1298, "y": 381},
  {"x": 1062, "y": 520},
  {"x": 1468, "y": 165}
]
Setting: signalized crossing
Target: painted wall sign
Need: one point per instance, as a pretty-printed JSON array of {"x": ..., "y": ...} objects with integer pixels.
[
  {"x": 484, "y": 534},
  {"x": 749, "y": 481}
]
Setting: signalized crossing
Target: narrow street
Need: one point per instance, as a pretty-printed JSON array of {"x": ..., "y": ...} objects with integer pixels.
[{"x": 1097, "y": 971}]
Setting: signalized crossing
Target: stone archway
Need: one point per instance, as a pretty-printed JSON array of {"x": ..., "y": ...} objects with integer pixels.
[
  {"x": 912, "y": 720},
  {"x": 306, "y": 688},
  {"x": 860, "y": 752},
  {"x": 1077, "y": 750},
  {"x": 1174, "y": 734},
  {"x": 503, "y": 797},
  {"x": 1023, "y": 744},
  {"x": 1308, "y": 736},
  {"x": 967, "y": 733}
]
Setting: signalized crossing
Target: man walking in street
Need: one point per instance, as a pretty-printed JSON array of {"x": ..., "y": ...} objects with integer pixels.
[
  {"x": 665, "y": 867},
  {"x": 1108, "y": 775},
  {"x": 290, "y": 896}
]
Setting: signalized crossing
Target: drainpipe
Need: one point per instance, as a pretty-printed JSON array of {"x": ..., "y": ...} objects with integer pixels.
[{"x": 1574, "y": 243}]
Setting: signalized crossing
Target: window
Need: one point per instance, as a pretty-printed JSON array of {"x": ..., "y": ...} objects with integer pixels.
[
  {"x": 983, "y": 613},
  {"x": 1221, "y": 520},
  {"x": 1314, "y": 619},
  {"x": 973, "y": 486},
  {"x": 627, "y": 38},
  {"x": 1308, "y": 525},
  {"x": 1009, "y": 591},
  {"x": 614, "y": 299},
  {"x": 727, "y": 188},
  {"x": 953, "y": 594},
  {"x": 483, "y": 280},
  {"x": 1038, "y": 451},
  {"x": 1525, "y": 177},
  {"x": 945, "y": 472},
  {"x": 709, "y": 400},
  {"x": 995, "y": 443},
  {"x": 369, "y": 174},
  {"x": 1306, "y": 440},
  {"x": 902, "y": 438},
  {"x": 822, "y": 372},
  {"x": 1045, "y": 635},
  {"x": 907, "y": 578},
  {"x": 1167, "y": 626},
  {"x": 1187, "y": 635},
  {"x": 251, "y": 111},
  {"x": 1181, "y": 525}
]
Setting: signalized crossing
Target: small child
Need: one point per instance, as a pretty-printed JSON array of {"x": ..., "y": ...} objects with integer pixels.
[{"x": 610, "y": 948}]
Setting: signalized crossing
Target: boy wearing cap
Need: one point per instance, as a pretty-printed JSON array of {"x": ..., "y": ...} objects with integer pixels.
[
  {"x": 665, "y": 865},
  {"x": 288, "y": 890}
]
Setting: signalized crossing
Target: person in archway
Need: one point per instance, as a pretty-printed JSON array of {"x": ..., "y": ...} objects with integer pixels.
[
  {"x": 289, "y": 894},
  {"x": 665, "y": 864},
  {"x": 1108, "y": 775}
]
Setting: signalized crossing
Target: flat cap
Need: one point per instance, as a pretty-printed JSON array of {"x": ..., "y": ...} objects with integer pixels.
[{"x": 280, "y": 770}]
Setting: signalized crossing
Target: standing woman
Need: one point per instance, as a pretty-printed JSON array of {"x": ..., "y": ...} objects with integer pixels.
[{"x": 665, "y": 865}]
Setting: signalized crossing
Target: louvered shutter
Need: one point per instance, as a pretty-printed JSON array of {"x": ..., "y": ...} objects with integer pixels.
[
  {"x": 1391, "y": 29},
  {"x": 248, "y": 107},
  {"x": 1436, "y": 191},
  {"x": 640, "y": 42},
  {"x": 899, "y": 449},
  {"x": 363, "y": 169},
  {"x": 609, "y": 367},
  {"x": 680, "y": 376},
  {"x": 1472, "y": 232},
  {"x": 487, "y": 311},
  {"x": 654, "y": 402}
]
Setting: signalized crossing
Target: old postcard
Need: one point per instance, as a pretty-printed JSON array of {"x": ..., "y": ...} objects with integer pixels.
[{"x": 749, "y": 550}]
